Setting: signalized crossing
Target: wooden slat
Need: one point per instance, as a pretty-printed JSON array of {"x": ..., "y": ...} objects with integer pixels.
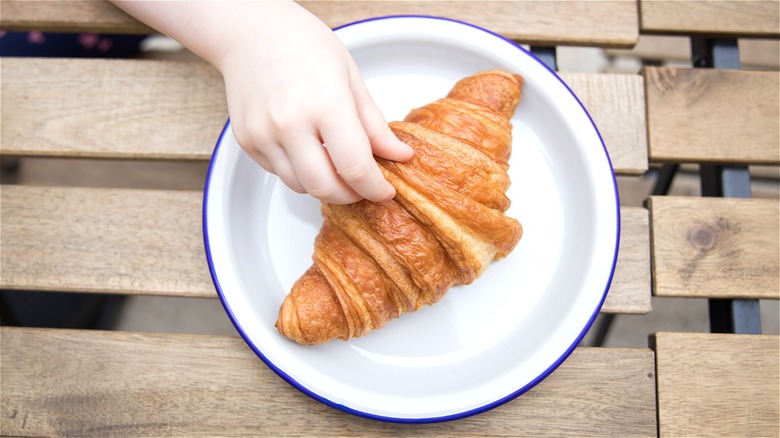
[
  {"x": 68, "y": 16},
  {"x": 617, "y": 105},
  {"x": 658, "y": 48},
  {"x": 103, "y": 240},
  {"x": 715, "y": 247},
  {"x": 150, "y": 242},
  {"x": 630, "y": 291},
  {"x": 614, "y": 23},
  {"x": 759, "y": 54},
  {"x": 711, "y": 17},
  {"x": 93, "y": 383},
  {"x": 111, "y": 108},
  {"x": 93, "y": 108},
  {"x": 754, "y": 54},
  {"x": 708, "y": 115},
  {"x": 718, "y": 384}
]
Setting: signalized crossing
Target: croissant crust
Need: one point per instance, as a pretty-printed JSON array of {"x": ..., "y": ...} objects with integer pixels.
[{"x": 376, "y": 261}]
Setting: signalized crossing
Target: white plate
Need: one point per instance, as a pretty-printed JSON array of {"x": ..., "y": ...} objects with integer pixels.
[{"x": 481, "y": 345}]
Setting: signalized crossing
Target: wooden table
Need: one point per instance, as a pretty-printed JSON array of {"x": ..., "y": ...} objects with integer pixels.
[{"x": 149, "y": 242}]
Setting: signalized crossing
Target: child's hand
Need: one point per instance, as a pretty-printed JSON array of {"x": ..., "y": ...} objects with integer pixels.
[
  {"x": 292, "y": 92},
  {"x": 291, "y": 87}
]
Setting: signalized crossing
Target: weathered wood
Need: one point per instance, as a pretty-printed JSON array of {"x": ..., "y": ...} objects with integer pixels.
[
  {"x": 150, "y": 242},
  {"x": 103, "y": 240},
  {"x": 754, "y": 54},
  {"x": 176, "y": 110},
  {"x": 111, "y": 108},
  {"x": 630, "y": 290},
  {"x": 715, "y": 247},
  {"x": 718, "y": 384},
  {"x": 93, "y": 383},
  {"x": 657, "y": 48},
  {"x": 709, "y": 115},
  {"x": 614, "y": 23},
  {"x": 68, "y": 16},
  {"x": 617, "y": 105},
  {"x": 743, "y": 18}
]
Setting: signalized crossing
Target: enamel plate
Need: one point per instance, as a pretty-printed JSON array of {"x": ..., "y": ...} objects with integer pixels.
[{"x": 483, "y": 344}]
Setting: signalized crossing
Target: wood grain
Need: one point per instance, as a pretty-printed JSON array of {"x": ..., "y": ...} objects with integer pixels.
[
  {"x": 111, "y": 108},
  {"x": 176, "y": 110},
  {"x": 103, "y": 240},
  {"x": 708, "y": 115},
  {"x": 617, "y": 105},
  {"x": 658, "y": 48},
  {"x": 754, "y": 54},
  {"x": 756, "y": 18},
  {"x": 630, "y": 288},
  {"x": 715, "y": 247},
  {"x": 93, "y": 383},
  {"x": 68, "y": 16},
  {"x": 614, "y": 23},
  {"x": 718, "y": 384},
  {"x": 150, "y": 242}
]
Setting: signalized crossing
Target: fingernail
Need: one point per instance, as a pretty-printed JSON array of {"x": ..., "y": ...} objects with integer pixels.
[{"x": 391, "y": 195}]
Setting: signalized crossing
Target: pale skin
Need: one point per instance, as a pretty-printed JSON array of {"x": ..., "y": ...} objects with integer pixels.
[{"x": 291, "y": 88}]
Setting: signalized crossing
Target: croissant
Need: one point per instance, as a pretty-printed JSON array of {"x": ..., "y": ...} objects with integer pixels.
[{"x": 376, "y": 261}]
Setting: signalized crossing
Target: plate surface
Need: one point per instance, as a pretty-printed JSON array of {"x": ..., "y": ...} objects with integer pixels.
[{"x": 482, "y": 344}]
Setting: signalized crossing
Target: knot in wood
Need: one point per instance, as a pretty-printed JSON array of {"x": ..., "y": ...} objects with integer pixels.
[{"x": 702, "y": 237}]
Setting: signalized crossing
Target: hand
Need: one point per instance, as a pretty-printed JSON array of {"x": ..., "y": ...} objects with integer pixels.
[
  {"x": 292, "y": 89},
  {"x": 297, "y": 103}
]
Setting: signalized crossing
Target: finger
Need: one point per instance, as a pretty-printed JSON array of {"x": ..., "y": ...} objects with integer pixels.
[
  {"x": 315, "y": 171},
  {"x": 263, "y": 162},
  {"x": 351, "y": 155},
  {"x": 383, "y": 142},
  {"x": 275, "y": 161}
]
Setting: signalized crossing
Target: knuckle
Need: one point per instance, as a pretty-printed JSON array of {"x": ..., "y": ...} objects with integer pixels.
[
  {"x": 252, "y": 135},
  {"x": 296, "y": 188},
  {"x": 291, "y": 182},
  {"x": 324, "y": 192},
  {"x": 328, "y": 188},
  {"x": 333, "y": 195},
  {"x": 284, "y": 122},
  {"x": 375, "y": 124},
  {"x": 318, "y": 185},
  {"x": 243, "y": 136},
  {"x": 285, "y": 116},
  {"x": 355, "y": 173}
]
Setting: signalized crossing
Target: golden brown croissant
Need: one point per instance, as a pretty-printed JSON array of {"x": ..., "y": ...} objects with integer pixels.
[{"x": 375, "y": 261}]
